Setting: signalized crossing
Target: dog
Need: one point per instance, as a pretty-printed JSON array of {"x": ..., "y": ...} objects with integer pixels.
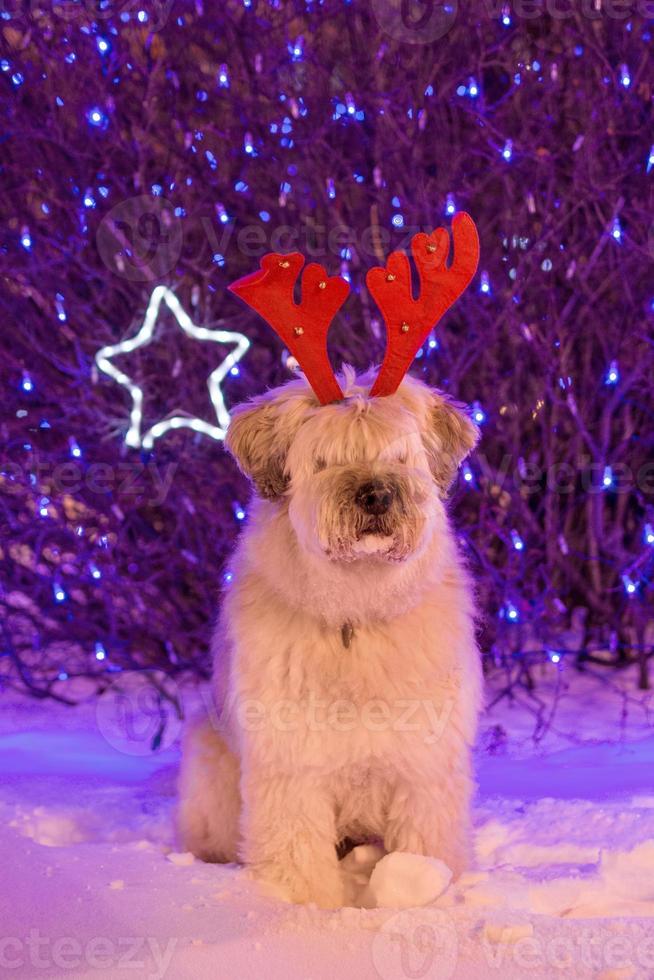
[{"x": 347, "y": 678}]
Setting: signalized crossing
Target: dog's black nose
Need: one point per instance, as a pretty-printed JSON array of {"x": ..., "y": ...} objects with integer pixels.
[{"x": 374, "y": 497}]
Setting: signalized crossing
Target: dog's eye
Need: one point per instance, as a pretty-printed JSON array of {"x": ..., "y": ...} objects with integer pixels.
[{"x": 319, "y": 464}]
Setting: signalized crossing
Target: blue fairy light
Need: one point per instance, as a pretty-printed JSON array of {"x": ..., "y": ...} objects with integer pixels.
[
  {"x": 228, "y": 578},
  {"x": 629, "y": 585},
  {"x": 467, "y": 474},
  {"x": 484, "y": 283},
  {"x": 648, "y": 534},
  {"x": 100, "y": 652},
  {"x": 511, "y": 612},
  {"x": 473, "y": 88},
  {"x": 517, "y": 541},
  {"x": 239, "y": 511},
  {"x": 223, "y": 217},
  {"x": 398, "y": 220},
  {"x": 62, "y": 675},
  {"x": 478, "y": 413},
  {"x": 613, "y": 374},
  {"x": 625, "y": 77},
  {"x": 264, "y": 215},
  {"x": 507, "y": 152},
  {"x": 59, "y": 593},
  {"x": 248, "y": 146},
  {"x": 95, "y": 572},
  {"x": 102, "y": 45},
  {"x": 44, "y": 503},
  {"x": 616, "y": 230},
  {"x": 607, "y": 478},
  {"x": 506, "y": 17},
  {"x": 26, "y": 383},
  {"x": 218, "y": 259},
  {"x": 97, "y": 118},
  {"x": 26, "y": 239},
  {"x": 296, "y": 49},
  {"x": 17, "y": 79},
  {"x": 235, "y": 371},
  {"x": 331, "y": 190},
  {"x": 650, "y": 158},
  {"x": 75, "y": 448},
  {"x": 554, "y": 656}
]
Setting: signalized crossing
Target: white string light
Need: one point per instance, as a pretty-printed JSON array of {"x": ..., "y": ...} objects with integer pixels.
[{"x": 103, "y": 358}]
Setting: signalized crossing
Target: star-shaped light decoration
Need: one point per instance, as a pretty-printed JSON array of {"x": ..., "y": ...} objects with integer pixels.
[{"x": 135, "y": 437}]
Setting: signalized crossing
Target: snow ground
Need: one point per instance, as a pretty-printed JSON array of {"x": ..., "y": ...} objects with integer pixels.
[{"x": 91, "y": 883}]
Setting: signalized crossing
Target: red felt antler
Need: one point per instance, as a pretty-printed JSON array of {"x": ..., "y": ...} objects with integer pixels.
[
  {"x": 409, "y": 320},
  {"x": 303, "y": 327}
]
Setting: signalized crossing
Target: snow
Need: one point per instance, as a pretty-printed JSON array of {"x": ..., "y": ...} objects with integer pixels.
[
  {"x": 93, "y": 881},
  {"x": 404, "y": 881}
]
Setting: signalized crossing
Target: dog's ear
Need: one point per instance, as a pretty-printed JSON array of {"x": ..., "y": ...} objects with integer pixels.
[
  {"x": 253, "y": 439},
  {"x": 260, "y": 434},
  {"x": 449, "y": 437}
]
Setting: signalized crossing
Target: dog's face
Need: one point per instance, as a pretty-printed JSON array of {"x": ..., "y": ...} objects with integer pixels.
[{"x": 362, "y": 478}]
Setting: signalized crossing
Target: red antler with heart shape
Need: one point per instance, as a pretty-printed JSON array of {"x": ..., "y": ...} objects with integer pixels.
[
  {"x": 408, "y": 320},
  {"x": 302, "y": 326}
]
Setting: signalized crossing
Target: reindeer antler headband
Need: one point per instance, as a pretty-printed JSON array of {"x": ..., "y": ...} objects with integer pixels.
[{"x": 303, "y": 326}]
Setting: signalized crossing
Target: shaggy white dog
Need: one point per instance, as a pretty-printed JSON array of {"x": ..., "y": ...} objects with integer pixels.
[{"x": 347, "y": 678}]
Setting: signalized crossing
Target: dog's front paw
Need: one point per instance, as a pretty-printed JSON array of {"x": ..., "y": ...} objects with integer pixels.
[{"x": 295, "y": 885}]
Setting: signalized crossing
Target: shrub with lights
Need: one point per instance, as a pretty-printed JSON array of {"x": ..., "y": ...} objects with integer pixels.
[{"x": 166, "y": 147}]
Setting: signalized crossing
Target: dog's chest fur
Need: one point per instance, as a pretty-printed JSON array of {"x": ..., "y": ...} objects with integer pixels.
[{"x": 392, "y": 695}]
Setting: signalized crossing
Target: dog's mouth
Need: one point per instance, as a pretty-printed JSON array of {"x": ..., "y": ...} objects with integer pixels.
[
  {"x": 377, "y": 540},
  {"x": 375, "y": 526},
  {"x": 373, "y": 544}
]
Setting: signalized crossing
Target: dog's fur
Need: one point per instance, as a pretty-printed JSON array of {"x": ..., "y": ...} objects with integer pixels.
[{"x": 347, "y": 679}]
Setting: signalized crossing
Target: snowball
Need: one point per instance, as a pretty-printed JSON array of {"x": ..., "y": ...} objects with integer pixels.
[{"x": 403, "y": 881}]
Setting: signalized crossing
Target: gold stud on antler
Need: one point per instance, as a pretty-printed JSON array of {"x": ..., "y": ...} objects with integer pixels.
[
  {"x": 284, "y": 264},
  {"x": 298, "y": 331},
  {"x": 322, "y": 285},
  {"x": 390, "y": 277},
  {"x": 431, "y": 247},
  {"x": 405, "y": 328}
]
